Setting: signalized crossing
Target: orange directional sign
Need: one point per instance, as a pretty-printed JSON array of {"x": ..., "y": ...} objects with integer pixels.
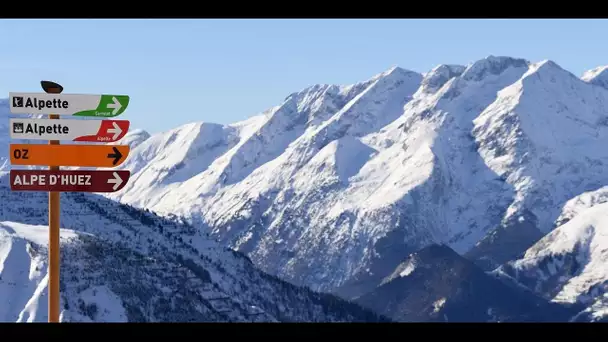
[{"x": 69, "y": 155}]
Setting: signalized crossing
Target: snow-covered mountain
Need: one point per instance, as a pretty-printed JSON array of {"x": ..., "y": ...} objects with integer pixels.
[
  {"x": 597, "y": 76},
  {"x": 570, "y": 264},
  {"x": 119, "y": 263},
  {"x": 337, "y": 185},
  {"x": 315, "y": 188},
  {"x": 436, "y": 284}
]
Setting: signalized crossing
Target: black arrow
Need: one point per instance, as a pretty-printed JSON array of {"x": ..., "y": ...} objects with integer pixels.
[{"x": 116, "y": 155}]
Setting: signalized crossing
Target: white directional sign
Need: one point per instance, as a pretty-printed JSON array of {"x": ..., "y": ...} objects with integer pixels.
[
  {"x": 68, "y": 104},
  {"x": 70, "y": 130}
]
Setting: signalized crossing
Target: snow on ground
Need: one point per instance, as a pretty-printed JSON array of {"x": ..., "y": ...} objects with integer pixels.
[
  {"x": 582, "y": 202},
  {"x": 570, "y": 264},
  {"x": 109, "y": 306},
  {"x": 23, "y": 274},
  {"x": 597, "y": 76},
  {"x": 157, "y": 269}
]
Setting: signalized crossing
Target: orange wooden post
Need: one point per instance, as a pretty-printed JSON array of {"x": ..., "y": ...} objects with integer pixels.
[{"x": 54, "y": 211}]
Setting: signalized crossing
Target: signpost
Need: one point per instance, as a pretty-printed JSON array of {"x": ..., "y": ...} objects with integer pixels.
[
  {"x": 69, "y": 130},
  {"x": 54, "y": 155}
]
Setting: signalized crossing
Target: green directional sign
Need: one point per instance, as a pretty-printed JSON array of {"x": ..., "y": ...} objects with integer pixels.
[
  {"x": 68, "y": 104},
  {"x": 109, "y": 106}
]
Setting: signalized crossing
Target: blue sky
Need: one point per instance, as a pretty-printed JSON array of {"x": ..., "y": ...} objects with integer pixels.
[{"x": 179, "y": 71}]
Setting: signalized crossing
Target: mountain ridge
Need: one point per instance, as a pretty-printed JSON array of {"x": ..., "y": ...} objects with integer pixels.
[{"x": 264, "y": 196}]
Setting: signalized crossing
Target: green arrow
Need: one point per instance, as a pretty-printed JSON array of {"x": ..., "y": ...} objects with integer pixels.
[{"x": 109, "y": 106}]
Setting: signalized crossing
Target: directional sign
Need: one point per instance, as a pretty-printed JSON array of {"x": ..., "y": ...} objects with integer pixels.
[
  {"x": 83, "y": 181},
  {"x": 71, "y": 130},
  {"x": 69, "y": 155},
  {"x": 68, "y": 104}
]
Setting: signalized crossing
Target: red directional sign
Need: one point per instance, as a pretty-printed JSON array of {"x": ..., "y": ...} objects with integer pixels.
[
  {"x": 109, "y": 131},
  {"x": 69, "y": 181},
  {"x": 69, "y": 130}
]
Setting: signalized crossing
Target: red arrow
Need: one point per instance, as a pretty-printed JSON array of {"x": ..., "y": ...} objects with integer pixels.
[
  {"x": 109, "y": 130},
  {"x": 69, "y": 181}
]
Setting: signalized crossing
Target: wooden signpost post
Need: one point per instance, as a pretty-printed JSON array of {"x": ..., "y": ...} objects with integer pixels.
[{"x": 54, "y": 181}]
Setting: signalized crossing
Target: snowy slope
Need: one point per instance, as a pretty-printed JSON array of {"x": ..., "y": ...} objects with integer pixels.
[
  {"x": 597, "y": 76},
  {"x": 545, "y": 135},
  {"x": 23, "y": 271},
  {"x": 133, "y": 138},
  {"x": 582, "y": 202},
  {"x": 123, "y": 264},
  {"x": 334, "y": 187},
  {"x": 570, "y": 264}
]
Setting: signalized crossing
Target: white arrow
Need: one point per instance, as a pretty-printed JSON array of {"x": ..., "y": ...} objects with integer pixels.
[
  {"x": 116, "y": 105},
  {"x": 116, "y": 181},
  {"x": 116, "y": 130}
]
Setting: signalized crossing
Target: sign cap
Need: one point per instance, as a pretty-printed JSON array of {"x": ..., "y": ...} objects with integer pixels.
[{"x": 51, "y": 87}]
